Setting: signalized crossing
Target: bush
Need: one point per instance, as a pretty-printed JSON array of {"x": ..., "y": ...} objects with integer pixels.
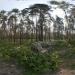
[
  {"x": 33, "y": 63},
  {"x": 70, "y": 54},
  {"x": 72, "y": 42},
  {"x": 61, "y": 44},
  {"x": 38, "y": 62}
]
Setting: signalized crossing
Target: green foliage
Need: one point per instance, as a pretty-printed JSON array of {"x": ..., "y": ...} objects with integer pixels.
[
  {"x": 68, "y": 58},
  {"x": 69, "y": 54},
  {"x": 56, "y": 58},
  {"x": 72, "y": 66},
  {"x": 61, "y": 44},
  {"x": 37, "y": 63},
  {"x": 33, "y": 63},
  {"x": 72, "y": 42}
]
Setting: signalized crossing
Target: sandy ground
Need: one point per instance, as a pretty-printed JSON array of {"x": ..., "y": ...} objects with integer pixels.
[
  {"x": 66, "y": 72},
  {"x": 9, "y": 69}
]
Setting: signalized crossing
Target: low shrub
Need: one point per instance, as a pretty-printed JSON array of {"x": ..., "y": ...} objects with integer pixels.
[
  {"x": 38, "y": 62},
  {"x": 61, "y": 44},
  {"x": 33, "y": 63},
  {"x": 72, "y": 42},
  {"x": 70, "y": 54}
]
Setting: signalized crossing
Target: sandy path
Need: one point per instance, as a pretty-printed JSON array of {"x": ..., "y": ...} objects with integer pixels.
[{"x": 66, "y": 72}]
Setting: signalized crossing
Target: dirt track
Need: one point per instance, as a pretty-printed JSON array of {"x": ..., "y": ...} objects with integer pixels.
[
  {"x": 66, "y": 72},
  {"x": 9, "y": 69}
]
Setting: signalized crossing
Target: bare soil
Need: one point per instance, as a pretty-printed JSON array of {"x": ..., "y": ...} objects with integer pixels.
[
  {"x": 8, "y": 68},
  {"x": 66, "y": 72}
]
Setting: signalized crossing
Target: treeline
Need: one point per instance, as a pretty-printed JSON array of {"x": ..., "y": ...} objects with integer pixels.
[{"x": 37, "y": 23}]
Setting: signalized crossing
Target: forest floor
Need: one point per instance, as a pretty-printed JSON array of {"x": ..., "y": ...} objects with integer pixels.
[
  {"x": 67, "y": 67},
  {"x": 9, "y": 68},
  {"x": 66, "y": 72}
]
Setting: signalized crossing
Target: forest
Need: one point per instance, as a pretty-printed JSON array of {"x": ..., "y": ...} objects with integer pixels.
[{"x": 36, "y": 42}]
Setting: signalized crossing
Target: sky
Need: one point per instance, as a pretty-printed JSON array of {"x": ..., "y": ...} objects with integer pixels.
[
  {"x": 20, "y": 4},
  {"x": 8, "y": 5}
]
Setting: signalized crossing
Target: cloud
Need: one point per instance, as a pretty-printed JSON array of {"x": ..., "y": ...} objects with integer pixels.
[{"x": 59, "y": 0}]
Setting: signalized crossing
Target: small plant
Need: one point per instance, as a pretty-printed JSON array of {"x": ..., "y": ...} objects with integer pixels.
[
  {"x": 33, "y": 63},
  {"x": 38, "y": 62},
  {"x": 72, "y": 42}
]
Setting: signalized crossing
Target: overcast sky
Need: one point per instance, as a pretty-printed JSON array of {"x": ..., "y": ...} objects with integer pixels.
[{"x": 20, "y": 4}]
